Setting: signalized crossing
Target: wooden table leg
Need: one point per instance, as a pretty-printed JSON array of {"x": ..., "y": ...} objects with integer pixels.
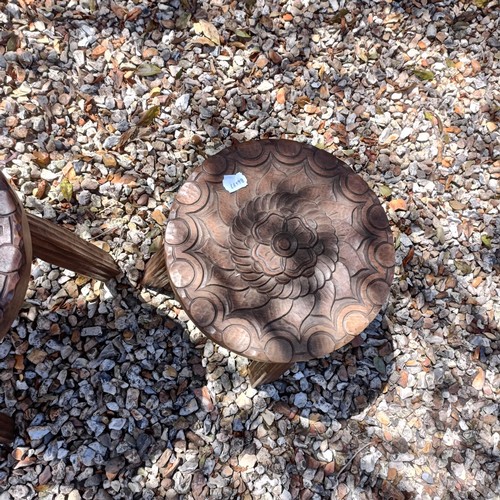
[
  {"x": 265, "y": 373},
  {"x": 7, "y": 431},
  {"x": 61, "y": 247},
  {"x": 155, "y": 274}
]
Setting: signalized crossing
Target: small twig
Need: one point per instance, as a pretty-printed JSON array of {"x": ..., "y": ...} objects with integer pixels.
[
  {"x": 13, "y": 156},
  {"x": 348, "y": 463}
]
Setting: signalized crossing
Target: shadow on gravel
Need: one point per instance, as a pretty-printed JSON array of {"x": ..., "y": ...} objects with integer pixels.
[{"x": 352, "y": 378}]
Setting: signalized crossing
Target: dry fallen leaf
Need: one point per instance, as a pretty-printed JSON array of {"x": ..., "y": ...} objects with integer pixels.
[
  {"x": 148, "y": 69},
  {"x": 19, "y": 363},
  {"x": 424, "y": 74},
  {"x": 385, "y": 191},
  {"x": 478, "y": 381},
  {"x": 204, "y": 397},
  {"x": 134, "y": 14},
  {"x": 42, "y": 189},
  {"x": 123, "y": 179},
  {"x": 158, "y": 216},
  {"x": 397, "y": 204},
  {"x": 456, "y": 205},
  {"x": 242, "y": 34},
  {"x": 202, "y": 40},
  {"x": 208, "y": 30},
  {"x": 120, "y": 12},
  {"x": 108, "y": 160},
  {"x": 98, "y": 51},
  {"x": 486, "y": 241},
  {"x": 126, "y": 137},
  {"x": 148, "y": 117},
  {"x": 408, "y": 257},
  {"x": 66, "y": 189},
  {"x": 41, "y": 158},
  {"x": 303, "y": 100}
]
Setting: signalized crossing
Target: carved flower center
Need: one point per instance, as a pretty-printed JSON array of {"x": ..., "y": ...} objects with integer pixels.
[
  {"x": 276, "y": 242},
  {"x": 285, "y": 244}
]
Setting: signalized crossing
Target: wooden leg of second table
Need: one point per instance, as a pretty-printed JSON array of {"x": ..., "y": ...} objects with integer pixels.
[
  {"x": 155, "y": 274},
  {"x": 265, "y": 373},
  {"x": 61, "y": 247},
  {"x": 7, "y": 431}
]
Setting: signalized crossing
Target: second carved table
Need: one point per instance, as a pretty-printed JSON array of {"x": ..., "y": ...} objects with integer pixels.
[
  {"x": 24, "y": 236},
  {"x": 277, "y": 251}
]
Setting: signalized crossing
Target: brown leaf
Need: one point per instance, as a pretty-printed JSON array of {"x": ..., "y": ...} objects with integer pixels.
[
  {"x": 383, "y": 418},
  {"x": 303, "y": 100},
  {"x": 148, "y": 117},
  {"x": 25, "y": 462},
  {"x": 42, "y": 189},
  {"x": 148, "y": 69},
  {"x": 476, "y": 66},
  {"x": 124, "y": 179},
  {"x": 18, "y": 453},
  {"x": 208, "y": 30},
  {"x": 41, "y": 158},
  {"x": 204, "y": 397},
  {"x": 202, "y": 40},
  {"x": 109, "y": 160},
  {"x": 126, "y": 137},
  {"x": 408, "y": 257},
  {"x": 478, "y": 381},
  {"x": 19, "y": 363},
  {"x": 275, "y": 57},
  {"x": 133, "y": 14},
  {"x": 329, "y": 468},
  {"x": 158, "y": 216},
  {"x": 456, "y": 205},
  {"x": 120, "y": 12},
  {"x": 397, "y": 204}
]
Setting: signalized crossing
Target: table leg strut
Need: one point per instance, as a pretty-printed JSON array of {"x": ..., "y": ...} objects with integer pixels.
[
  {"x": 155, "y": 273},
  {"x": 265, "y": 373},
  {"x": 61, "y": 247}
]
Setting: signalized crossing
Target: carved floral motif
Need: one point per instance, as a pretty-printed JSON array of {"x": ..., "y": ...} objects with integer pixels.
[
  {"x": 288, "y": 268},
  {"x": 12, "y": 252},
  {"x": 277, "y": 243}
]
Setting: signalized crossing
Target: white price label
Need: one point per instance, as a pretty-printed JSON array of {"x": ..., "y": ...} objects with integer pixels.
[{"x": 234, "y": 182}]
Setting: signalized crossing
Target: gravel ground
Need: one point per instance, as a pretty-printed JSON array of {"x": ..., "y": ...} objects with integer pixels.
[{"x": 105, "y": 108}]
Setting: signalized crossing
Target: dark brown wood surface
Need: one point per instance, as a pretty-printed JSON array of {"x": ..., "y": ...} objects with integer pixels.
[
  {"x": 15, "y": 255},
  {"x": 155, "y": 273},
  {"x": 289, "y": 268},
  {"x": 7, "y": 430},
  {"x": 59, "y": 246}
]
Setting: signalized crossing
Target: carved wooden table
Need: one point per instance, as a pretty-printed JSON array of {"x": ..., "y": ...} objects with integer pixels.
[
  {"x": 22, "y": 237},
  {"x": 288, "y": 268}
]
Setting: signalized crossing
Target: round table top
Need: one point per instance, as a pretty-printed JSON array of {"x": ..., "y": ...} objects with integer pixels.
[
  {"x": 289, "y": 267},
  {"x": 14, "y": 245}
]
